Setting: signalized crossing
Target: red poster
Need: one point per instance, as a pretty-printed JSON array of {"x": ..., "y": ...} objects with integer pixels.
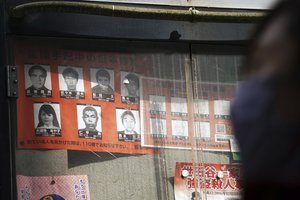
[
  {"x": 168, "y": 122},
  {"x": 53, "y": 187},
  {"x": 207, "y": 181},
  {"x": 78, "y": 99}
]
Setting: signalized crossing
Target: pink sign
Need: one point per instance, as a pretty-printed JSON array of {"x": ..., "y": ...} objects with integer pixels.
[{"x": 53, "y": 187}]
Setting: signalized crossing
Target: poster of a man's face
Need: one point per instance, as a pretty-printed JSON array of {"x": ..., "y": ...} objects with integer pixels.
[
  {"x": 89, "y": 121},
  {"x": 128, "y": 125},
  {"x": 37, "y": 80},
  {"x": 130, "y": 88},
  {"x": 102, "y": 83},
  {"x": 70, "y": 82},
  {"x": 47, "y": 119}
]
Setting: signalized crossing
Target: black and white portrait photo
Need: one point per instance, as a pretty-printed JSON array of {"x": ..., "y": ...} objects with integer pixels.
[
  {"x": 128, "y": 125},
  {"x": 158, "y": 127},
  {"x": 179, "y": 106},
  {"x": 180, "y": 129},
  {"x": 89, "y": 121},
  {"x": 130, "y": 88},
  {"x": 70, "y": 82},
  {"x": 37, "y": 80},
  {"x": 103, "y": 84},
  {"x": 157, "y": 105},
  {"x": 47, "y": 119}
]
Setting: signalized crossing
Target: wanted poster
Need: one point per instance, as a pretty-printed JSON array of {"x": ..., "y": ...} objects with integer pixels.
[
  {"x": 37, "y": 80},
  {"x": 83, "y": 109},
  {"x": 207, "y": 181},
  {"x": 103, "y": 84},
  {"x": 71, "y": 82}
]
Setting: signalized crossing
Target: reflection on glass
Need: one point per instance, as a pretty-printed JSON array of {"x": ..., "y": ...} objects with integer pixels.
[
  {"x": 180, "y": 129},
  {"x": 202, "y": 130},
  {"x": 222, "y": 109},
  {"x": 201, "y": 108},
  {"x": 158, "y": 127},
  {"x": 157, "y": 104},
  {"x": 178, "y": 106}
]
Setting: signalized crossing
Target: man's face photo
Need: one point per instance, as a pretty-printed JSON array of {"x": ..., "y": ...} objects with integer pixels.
[
  {"x": 128, "y": 123},
  {"x": 71, "y": 81},
  {"x": 132, "y": 87},
  {"x": 90, "y": 119},
  {"x": 103, "y": 81},
  {"x": 38, "y": 78}
]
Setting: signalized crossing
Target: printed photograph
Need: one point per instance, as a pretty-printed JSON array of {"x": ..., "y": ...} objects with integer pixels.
[
  {"x": 70, "y": 82},
  {"x": 130, "y": 88},
  {"x": 89, "y": 121},
  {"x": 37, "y": 80},
  {"x": 128, "y": 125},
  {"x": 103, "y": 84},
  {"x": 47, "y": 119}
]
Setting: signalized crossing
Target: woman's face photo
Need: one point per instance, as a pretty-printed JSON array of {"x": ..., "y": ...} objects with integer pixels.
[
  {"x": 129, "y": 123},
  {"x": 47, "y": 119}
]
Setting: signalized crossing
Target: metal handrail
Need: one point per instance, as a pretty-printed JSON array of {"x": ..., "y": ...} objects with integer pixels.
[{"x": 135, "y": 11}]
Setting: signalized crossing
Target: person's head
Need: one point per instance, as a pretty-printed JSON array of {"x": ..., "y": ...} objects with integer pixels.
[
  {"x": 71, "y": 78},
  {"x": 103, "y": 78},
  {"x": 37, "y": 76},
  {"x": 128, "y": 121},
  {"x": 132, "y": 84},
  {"x": 276, "y": 43},
  {"x": 90, "y": 117},
  {"x": 47, "y": 116}
]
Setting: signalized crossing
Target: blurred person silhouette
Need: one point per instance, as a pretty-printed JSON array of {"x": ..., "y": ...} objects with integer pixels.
[{"x": 265, "y": 112}]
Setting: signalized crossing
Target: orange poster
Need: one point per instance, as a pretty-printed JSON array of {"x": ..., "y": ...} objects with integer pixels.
[
  {"x": 207, "y": 181},
  {"x": 78, "y": 99}
]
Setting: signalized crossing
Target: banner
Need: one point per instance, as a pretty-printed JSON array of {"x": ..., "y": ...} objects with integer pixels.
[
  {"x": 53, "y": 187},
  {"x": 79, "y": 100},
  {"x": 207, "y": 181}
]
